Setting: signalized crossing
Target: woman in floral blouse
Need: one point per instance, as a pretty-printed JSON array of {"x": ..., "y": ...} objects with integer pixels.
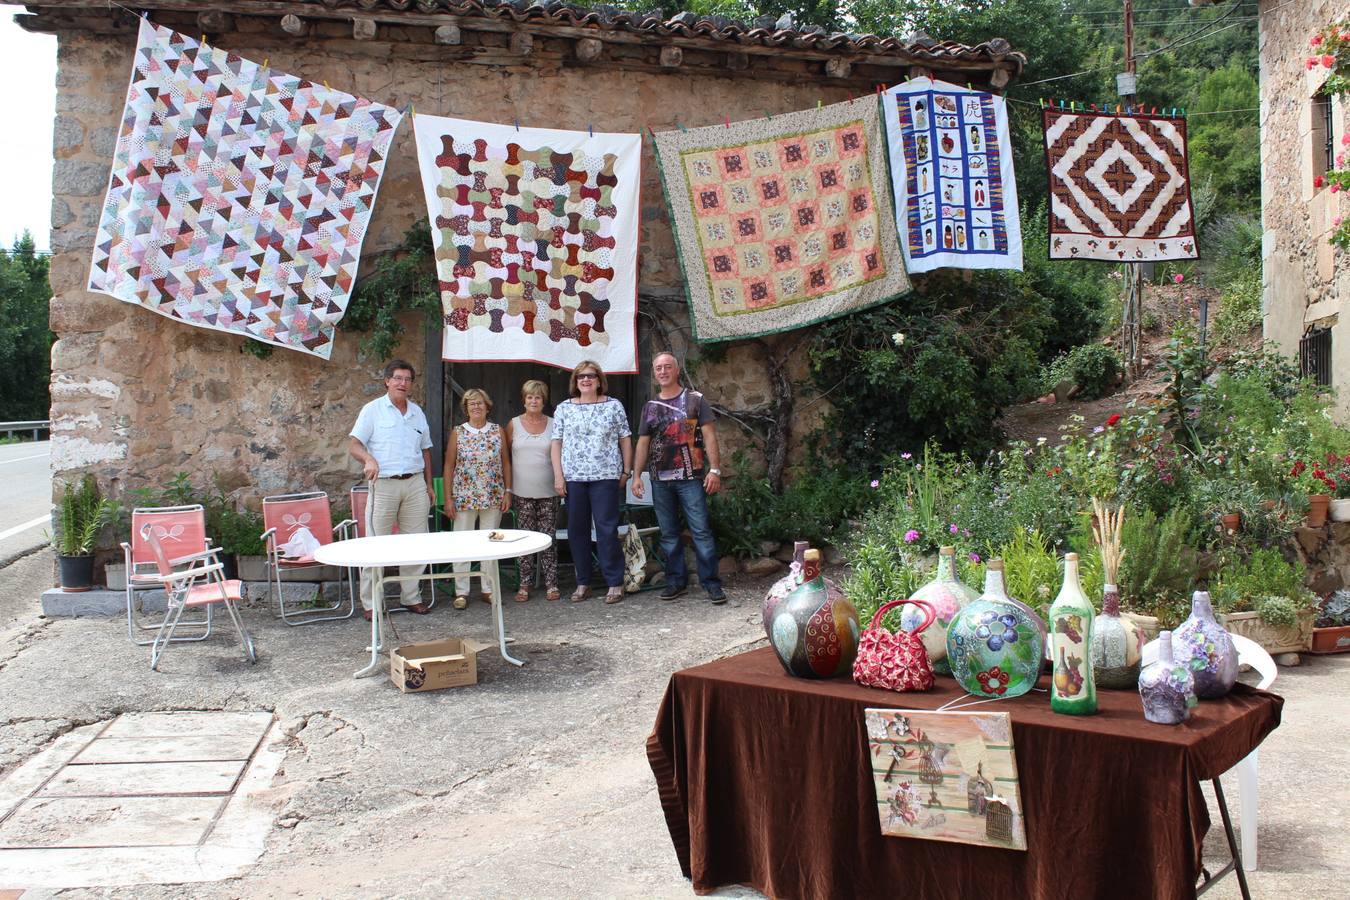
[
  {"x": 592, "y": 462},
  {"x": 478, "y": 475}
]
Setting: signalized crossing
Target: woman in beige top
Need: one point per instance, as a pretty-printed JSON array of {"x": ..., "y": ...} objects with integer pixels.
[{"x": 536, "y": 502}]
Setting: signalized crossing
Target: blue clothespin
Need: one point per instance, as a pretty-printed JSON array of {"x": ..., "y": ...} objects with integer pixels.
[
  {"x": 591, "y": 128},
  {"x": 517, "y": 121}
]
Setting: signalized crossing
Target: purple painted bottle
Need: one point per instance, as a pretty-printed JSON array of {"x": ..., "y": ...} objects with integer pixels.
[
  {"x": 1207, "y": 650},
  {"x": 1166, "y": 686}
]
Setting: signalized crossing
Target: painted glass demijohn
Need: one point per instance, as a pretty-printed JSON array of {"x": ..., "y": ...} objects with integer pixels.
[
  {"x": 814, "y": 628},
  {"x": 995, "y": 644},
  {"x": 1117, "y": 644},
  {"x": 946, "y": 594},
  {"x": 1203, "y": 644},
  {"x": 1166, "y": 686}
]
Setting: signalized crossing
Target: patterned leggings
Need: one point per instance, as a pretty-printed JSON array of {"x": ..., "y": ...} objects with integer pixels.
[{"x": 540, "y": 515}]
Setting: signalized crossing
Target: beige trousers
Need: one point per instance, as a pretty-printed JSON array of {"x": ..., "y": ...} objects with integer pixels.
[
  {"x": 470, "y": 520},
  {"x": 402, "y": 502}
]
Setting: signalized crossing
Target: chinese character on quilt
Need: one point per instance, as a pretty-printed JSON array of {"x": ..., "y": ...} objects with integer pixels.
[
  {"x": 1119, "y": 187},
  {"x": 536, "y": 236},
  {"x": 952, "y": 177},
  {"x": 239, "y": 197},
  {"x": 782, "y": 222}
]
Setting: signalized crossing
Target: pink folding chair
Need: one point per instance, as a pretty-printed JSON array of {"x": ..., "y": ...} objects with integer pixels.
[
  {"x": 181, "y": 531},
  {"x": 360, "y": 495},
  {"x": 283, "y": 516},
  {"x": 198, "y": 584}
]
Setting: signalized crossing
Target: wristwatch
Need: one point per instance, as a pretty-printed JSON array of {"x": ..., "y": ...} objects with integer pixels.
[{"x": 717, "y": 472}]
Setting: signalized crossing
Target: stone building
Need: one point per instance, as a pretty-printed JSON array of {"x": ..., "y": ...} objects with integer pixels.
[
  {"x": 137, "y": 398},
  {"x": 1306, "y": 280}
]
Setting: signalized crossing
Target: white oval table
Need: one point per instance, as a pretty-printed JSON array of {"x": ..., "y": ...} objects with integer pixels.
[{"x": 431, "y": 549}]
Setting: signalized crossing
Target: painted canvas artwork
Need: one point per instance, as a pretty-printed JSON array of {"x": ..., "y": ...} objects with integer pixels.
[{"x": 946, "y": 776}]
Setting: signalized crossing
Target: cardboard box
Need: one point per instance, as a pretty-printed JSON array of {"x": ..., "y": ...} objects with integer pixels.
[{"x": 433, "y": 665}]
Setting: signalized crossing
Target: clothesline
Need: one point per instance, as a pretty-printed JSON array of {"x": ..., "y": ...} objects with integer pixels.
[{"x": 1213, "y": 112}]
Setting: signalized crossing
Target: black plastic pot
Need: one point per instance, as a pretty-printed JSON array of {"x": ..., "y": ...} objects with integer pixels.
[{"x": 77, "y": 572}]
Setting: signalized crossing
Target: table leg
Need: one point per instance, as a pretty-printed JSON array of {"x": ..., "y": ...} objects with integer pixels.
[
  {"x": 377, "y": 625},
  {"x": 499, "y": 620},
  {"x": 1235, "y": 865}
]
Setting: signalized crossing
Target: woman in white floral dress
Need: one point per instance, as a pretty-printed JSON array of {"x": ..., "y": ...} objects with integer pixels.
[
  {"x": 477, "y": 476},
  {"x": 592, "y": 462}
]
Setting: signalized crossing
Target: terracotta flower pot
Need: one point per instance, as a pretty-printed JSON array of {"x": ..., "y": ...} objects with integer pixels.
[
  {"x": 1317, "y": 509},
  {"x": 1232, "y": 522},
  {"x": 1331, "y": 640}
]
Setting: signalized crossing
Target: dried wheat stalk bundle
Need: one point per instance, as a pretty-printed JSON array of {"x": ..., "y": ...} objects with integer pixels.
[{"x": 1106, "y": 531}]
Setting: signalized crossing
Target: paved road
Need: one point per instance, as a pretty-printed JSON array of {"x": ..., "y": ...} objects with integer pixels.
[{"x": 25, "y": 496}]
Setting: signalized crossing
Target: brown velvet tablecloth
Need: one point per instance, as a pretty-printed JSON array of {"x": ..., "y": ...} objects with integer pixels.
[{"x": 766, "y": 781}]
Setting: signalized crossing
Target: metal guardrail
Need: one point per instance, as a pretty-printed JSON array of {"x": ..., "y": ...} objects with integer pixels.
[{"x": 36, "y": 426}]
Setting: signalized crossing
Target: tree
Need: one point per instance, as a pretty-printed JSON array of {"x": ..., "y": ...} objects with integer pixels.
[{"x": 25, "y": 342}]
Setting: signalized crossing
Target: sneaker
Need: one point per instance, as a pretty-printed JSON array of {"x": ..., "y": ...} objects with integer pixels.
[
  {"x": 671, "y": 591},
  {"x": 716, "y": 597}
]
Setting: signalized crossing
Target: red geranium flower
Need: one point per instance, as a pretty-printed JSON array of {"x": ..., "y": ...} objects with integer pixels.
[
  {"x": 993, "y": 681},
  {"x": 1328, "y": 60},
  {"x": 1316, "y": 40},
  {"x": 1114, "y": 419},
  {"x": 1319, "y": 181},
  {"x": 1311, "y": 63}
]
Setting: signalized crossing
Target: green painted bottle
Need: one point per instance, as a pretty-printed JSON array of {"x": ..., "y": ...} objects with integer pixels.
[{"x": 1073, "y": 690}]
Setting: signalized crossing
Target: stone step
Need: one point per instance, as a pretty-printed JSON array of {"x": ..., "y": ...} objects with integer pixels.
[{"x": 101, "y": 601}]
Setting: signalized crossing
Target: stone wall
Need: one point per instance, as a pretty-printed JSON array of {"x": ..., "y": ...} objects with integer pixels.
[
  {"x": 137, "y": 397},
  {"x": 1306, "y": 280}
]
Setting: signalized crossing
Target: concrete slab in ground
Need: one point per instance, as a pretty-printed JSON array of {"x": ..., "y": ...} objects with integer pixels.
[{"x": 80, "y": 813}]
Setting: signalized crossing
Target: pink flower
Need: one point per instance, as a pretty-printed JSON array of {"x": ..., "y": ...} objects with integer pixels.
[
  {"x": 975, "y": 557},
  {"x": 1178, "y": 278},
  {"x": 953, "y": 529},
  {"x": 1311, "y": 63},
  {"x": 876, "y": 483},
  {"x": 1345, "y": 139},
  {"x": 1340, "y": 160},
  {"x": 1335, "y": 188},
  {"x": 1328, "y": 60},
  {"x": 906, "y": 455},
  {"x": 1336, "y": 222},
  {"x": 911, "y": 536},
  {"x": 1316, "y": 40}
]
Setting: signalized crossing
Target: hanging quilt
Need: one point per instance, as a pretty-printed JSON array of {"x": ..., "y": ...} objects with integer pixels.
[
  {"x": 782, "y": 222},
  {"x": 239, "y": 197},
  {"x": 952, "y": 177},
  {"x": 536, "y": 239},
  {"x": 1119, "y": 187}
]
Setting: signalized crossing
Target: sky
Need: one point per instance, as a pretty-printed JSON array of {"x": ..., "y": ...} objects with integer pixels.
[{"x": 28, "y": 97}]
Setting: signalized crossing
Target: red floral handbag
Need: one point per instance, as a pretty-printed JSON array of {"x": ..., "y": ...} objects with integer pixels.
[{"x": 894, "y": 661}]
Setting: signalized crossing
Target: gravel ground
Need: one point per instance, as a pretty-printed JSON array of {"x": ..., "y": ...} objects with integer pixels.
[{"x": 535, "y": 781}]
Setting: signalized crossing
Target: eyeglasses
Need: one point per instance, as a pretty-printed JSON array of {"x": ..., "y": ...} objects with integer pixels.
[
  {"x": 587, "y": 375},
  {"x": 402, "y": 379}
]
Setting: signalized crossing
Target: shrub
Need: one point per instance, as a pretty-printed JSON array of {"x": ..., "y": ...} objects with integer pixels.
[
  {"x": 1243, "y": 585},
  {"x": 1093, "y": 367},
  {"x": 1239, "y": 309},
  {"x": 1158, "y": 567},
  {"x": 1233, "y": 242},
  {"x": 81, "y": 514}
]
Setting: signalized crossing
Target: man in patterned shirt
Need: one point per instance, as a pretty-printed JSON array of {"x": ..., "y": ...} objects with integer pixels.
[{"x": 677, "y": 433}]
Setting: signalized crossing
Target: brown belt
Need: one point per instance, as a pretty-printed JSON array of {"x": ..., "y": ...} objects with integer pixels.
[{"x": 401, "y": 477}]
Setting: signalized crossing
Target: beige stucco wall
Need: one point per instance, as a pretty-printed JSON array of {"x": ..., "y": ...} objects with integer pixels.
[
  {"x": 1306, "y": 280},
  {"x": 137, "y": 397}
]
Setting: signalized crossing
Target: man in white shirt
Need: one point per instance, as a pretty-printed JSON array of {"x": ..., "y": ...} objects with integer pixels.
[{"x": 392, "y": 441}]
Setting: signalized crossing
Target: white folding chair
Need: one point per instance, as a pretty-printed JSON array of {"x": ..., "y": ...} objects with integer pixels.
[
  {"x": 1251, "y": 654},
  {"x": 197, "y": 585}
]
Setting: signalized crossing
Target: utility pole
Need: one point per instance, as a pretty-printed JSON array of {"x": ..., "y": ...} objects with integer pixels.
[{"x": 1131, "y": 330}]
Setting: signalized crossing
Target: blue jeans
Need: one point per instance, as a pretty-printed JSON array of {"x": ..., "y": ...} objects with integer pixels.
[
  {"x": 596, "y": 501},
  {"x": 668, "y": 498}
]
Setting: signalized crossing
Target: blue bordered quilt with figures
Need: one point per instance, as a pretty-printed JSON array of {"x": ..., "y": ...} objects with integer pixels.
[{"x": 952, "y": 177}]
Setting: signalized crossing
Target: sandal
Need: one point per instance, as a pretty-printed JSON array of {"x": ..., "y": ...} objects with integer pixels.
[
  {"x": 552, "y": 594},
  {"x": 522, "y": 595},
  {"x": 581, "y": 593},
  {"x": 461, "y": 602},
  {"x": 614, "y": 594}
]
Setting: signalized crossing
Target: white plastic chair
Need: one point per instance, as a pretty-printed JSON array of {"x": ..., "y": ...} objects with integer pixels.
[{"x": 1251, "y": 654}]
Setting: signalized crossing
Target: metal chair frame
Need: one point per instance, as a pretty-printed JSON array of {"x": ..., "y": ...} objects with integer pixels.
[
  {"x": 180, "y": 585},
  {"x": 276, "y": 563},
  {"x": 139, "y": 577}
]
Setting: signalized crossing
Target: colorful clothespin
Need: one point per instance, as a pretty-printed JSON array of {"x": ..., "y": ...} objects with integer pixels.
[
  {"x": 819, "y": 103},
  {"x": 727, "y": 120},
  {"x": 590, "y": 127},
  {"x": 517, "y": 121},
  {"x": 266, "y": 60},
  {"x": 681, "y": 127}
]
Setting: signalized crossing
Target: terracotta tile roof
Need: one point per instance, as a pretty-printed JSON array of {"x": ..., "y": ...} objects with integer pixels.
[{"x": 765, "y": 31}]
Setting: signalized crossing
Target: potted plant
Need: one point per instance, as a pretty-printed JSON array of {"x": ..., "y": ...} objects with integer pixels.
[
  {"x": 1338, "y": 470},
  {"x": 1331, "y": 628},
  {"x": 1263, "y": 598},
  {"x": 237, "y": 534},
  {"x": 1318, "y": 486},
  {"x": 82, "y": 513}
]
